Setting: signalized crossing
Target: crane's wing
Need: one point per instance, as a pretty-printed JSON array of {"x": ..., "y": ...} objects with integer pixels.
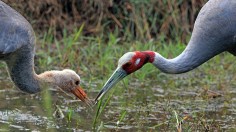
[{"x": 15, "y": 30}]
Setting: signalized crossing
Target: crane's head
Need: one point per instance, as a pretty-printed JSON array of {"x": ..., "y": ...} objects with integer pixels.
[
  {"x": 127, "y": 64},
  {"x": 68, "y": 81}
]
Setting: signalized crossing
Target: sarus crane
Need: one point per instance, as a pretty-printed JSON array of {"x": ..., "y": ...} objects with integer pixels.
[
  {"x": 214, "y": 32},
  {"x": 17, "y": 49}
]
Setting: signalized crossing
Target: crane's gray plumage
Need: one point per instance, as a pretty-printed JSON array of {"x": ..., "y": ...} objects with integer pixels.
[
  {"x": 214, "y": 32},
  {"x": 17, "y": 42},
  {"x": 15, "y": 30}
]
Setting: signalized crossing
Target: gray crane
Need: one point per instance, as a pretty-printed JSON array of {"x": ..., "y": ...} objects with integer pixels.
[
  {"x": 17, "y": 49},
  {"x": 214, "y": 32}
]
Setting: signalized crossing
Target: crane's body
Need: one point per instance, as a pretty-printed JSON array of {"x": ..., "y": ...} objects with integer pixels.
[
  {"x": 17, "y": 49},
  {"x": 214, "y": 32}
]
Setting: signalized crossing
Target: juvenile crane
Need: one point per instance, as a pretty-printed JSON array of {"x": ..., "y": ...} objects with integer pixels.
[
  {"x": 214, "y": 32},
  {"x": 17, "y": 49}
]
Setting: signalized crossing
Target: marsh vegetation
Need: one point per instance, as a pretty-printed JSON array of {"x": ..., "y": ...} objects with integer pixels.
[{"x": 148, "y": 100}]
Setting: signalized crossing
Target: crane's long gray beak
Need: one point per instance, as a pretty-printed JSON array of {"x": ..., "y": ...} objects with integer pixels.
[{"x": 118, "y": 75}]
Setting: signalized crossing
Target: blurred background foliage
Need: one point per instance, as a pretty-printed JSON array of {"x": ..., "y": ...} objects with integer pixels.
[{"x": 141, "y": 20}]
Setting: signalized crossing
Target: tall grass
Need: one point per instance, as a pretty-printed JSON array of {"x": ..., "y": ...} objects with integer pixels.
[{"x": 133, "y": 19}]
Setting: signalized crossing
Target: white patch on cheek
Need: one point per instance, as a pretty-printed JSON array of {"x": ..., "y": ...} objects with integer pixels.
[{"x": 137, "y": 61}]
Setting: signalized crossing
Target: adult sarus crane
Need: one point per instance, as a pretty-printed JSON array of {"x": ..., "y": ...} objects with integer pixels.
[
  {"x": 17, "y": 49},
  {"x": 214, "y": 32}
]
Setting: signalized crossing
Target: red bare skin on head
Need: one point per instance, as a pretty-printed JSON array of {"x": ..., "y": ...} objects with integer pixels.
[{"x": 138, "y": 60}]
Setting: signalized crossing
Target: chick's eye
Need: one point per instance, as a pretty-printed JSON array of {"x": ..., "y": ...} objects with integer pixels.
[{"x": 76, "y": 82}]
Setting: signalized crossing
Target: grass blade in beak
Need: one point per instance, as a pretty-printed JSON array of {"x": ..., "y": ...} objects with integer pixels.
[{"x": 118, "y": 75}]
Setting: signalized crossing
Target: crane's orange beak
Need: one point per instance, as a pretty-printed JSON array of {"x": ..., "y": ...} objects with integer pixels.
[{"x": 79, "y": 92}]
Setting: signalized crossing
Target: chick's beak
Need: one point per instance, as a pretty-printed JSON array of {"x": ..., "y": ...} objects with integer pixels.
[{"x": 79, "y": 92}]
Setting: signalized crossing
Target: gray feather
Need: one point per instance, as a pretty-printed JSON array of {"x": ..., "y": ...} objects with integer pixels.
[{"x": 15, "y": 31}]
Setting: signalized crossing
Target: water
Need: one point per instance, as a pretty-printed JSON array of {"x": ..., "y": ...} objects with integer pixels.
[{"x": 146, "y": 106}]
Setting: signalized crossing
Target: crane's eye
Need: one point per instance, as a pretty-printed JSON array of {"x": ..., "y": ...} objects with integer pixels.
[
  {"x": 126, "y": 65},
  {"x": 76, "y": 82}
]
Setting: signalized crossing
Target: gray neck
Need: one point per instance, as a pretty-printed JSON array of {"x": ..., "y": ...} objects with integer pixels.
[
  {"x": 21, "y": 69},
  {"x": 196, "y": 53},
  {"x": 214, "y": 32}
]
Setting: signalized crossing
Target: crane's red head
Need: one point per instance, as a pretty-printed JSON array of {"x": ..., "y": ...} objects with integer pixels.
[
  {"x": 127, "y": 64},
  {"x": 132, "y": 61}
]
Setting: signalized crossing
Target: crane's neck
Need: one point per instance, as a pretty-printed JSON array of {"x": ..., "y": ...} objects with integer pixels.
[
  {"x": 195, "y": 54},
  {"x": 21, "y": 70}
]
